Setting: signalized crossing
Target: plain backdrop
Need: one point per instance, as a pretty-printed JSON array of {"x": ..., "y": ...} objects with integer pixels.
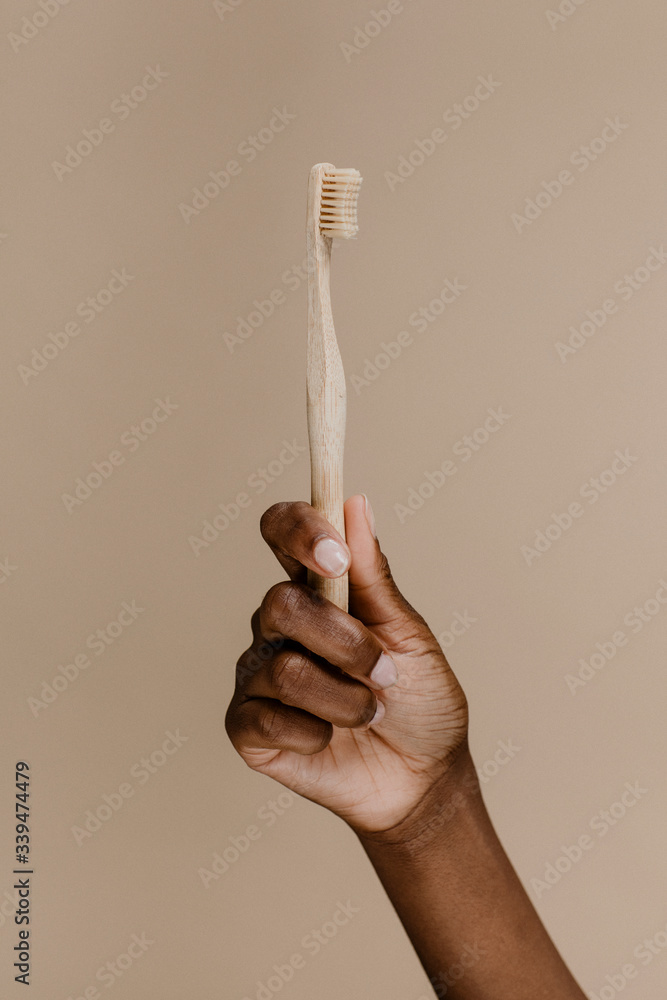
[{"x": 540, "y": 200}]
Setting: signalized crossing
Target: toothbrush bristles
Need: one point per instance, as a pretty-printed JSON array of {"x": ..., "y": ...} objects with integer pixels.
[{"x": 338, "y": 208}]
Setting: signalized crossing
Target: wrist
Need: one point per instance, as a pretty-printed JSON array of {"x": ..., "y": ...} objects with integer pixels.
[{"x": 452, "y": 799}]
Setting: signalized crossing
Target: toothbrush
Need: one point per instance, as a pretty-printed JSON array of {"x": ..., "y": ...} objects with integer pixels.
[{"x": 332, "y": 214}]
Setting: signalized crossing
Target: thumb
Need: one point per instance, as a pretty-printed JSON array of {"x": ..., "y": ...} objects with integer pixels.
[{"x": 374, "y": 597}]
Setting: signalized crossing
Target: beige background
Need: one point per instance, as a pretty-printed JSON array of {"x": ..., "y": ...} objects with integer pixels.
[{"x": 163, "y": 338}]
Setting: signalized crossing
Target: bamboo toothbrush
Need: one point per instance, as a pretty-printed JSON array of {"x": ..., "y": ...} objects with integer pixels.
[{"x": 332, "y": 214}]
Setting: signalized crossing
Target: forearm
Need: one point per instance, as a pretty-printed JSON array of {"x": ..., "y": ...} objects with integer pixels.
[{"x": 462, "y": 904}]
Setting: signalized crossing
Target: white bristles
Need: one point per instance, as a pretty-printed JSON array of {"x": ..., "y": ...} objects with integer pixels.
[{"x": 338, "y": 208}]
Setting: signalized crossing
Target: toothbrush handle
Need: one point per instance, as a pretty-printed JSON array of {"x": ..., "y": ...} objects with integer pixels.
[
  {"x": 326, "y": 433},
  {"x": 325, "y": 388}
]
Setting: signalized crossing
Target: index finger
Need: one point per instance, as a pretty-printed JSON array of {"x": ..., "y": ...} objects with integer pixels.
[{"x": 301, "y": 538}]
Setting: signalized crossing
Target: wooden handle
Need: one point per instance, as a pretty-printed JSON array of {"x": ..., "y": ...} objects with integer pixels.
[{"x": 325, "y": 388}]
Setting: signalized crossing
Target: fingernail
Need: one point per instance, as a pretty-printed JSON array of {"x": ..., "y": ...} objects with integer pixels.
[
  {"x": 379, "y": 714},
  {"x": 331, "y": 556},
  {"x": 384, "y": 673},
  {"x": 370, "y": 517}
]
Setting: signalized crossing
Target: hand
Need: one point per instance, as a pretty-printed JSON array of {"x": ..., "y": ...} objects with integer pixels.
[{"x": 308, "y": 710}]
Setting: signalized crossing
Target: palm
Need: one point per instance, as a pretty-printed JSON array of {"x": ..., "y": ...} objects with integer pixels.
[{"x": 372, "y": 778}]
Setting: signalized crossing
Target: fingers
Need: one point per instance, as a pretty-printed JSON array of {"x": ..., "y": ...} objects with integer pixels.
[
  {"x": 296, "y": 679},
  {"x": 374, "y": 596},
  {"x": 268, "y": 725},
  {"x": 301, "y": 538},
  {"x": 312, "y": 666},
  {"x": 290, "y": 701},
  {"x": 294, "y": 611},
  {"x": 372, "y": 587}
]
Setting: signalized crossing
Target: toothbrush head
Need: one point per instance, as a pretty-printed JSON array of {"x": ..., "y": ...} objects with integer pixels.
[{"x": 338, "y": 205}]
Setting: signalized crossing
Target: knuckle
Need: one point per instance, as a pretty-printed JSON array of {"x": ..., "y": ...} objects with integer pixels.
[
  {"x": 282, "y": 514},
  {"x": 388, "y": 583},
  {"x": 271, "y": 516},
  {"x": 254, "y": 659},
  {"x": 281, "y": 603},
  {"x": 355, "y": 637},
  {"x": 300, "y": 509},
  {"x": 270, "y": 724},
  {"x": 231, "y": 721},
  {"x": 302, "y": 517},
  {"x": 244, "y": 668},
  {"x": 248, "y": 665},
  {"x": 287, "y": 675},
  {"x": 384, "y": 571}
]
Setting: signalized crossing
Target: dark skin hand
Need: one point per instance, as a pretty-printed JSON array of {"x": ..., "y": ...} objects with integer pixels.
[{"x": 386, "y": 749}]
